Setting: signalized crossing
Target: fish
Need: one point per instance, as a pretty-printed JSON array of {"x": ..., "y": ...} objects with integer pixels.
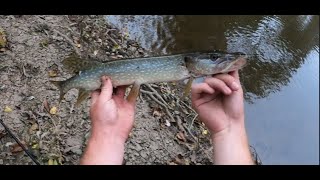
[{"x": 144, "y": 70}]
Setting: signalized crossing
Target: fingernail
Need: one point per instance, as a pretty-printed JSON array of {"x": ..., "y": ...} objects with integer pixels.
[
  {"x": 235, "y": 85},
  {"x": 228, "y": 90}
]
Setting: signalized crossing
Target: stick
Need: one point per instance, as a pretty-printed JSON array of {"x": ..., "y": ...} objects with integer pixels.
[
  {"x": 20, "y": 144},
  {"x": 155, "y": 99},
  {"x": 68, "y": 39}
]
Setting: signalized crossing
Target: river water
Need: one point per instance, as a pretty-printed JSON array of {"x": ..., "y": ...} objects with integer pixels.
[{"x": 281, "y": 81}]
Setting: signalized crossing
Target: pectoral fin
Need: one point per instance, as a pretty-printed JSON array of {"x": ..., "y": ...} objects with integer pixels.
[
  {"x": 83, "y": 95},
  {"x": 188, "y": 87},
  {"x": 134, "y": 93}
]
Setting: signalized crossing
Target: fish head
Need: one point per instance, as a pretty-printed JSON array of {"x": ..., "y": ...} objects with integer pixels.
[{"x": 215, "y": 62}]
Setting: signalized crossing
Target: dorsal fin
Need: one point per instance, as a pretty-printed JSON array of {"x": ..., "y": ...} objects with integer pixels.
[{"x": 74, "y": 63}]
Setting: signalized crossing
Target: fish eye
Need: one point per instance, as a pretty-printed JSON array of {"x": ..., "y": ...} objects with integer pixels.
[{"x": 215, "y": 56}]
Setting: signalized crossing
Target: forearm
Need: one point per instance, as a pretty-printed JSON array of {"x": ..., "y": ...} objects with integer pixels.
[
  {"x": 231, "y": 146},
  {"x": 103, "y": 149}
]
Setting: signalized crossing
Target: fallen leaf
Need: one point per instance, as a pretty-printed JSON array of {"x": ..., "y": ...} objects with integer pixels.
[
  {"x": 53, "y": 110},
  {"x": 35, "y": 146},
  {"x": 3, "y": 39},
  {"x": 95, "y": 52},
  {"x": 44, "y": 43},
  {"x": 78, "y": 45},
  {"x": 55, "y": 162},
  {"x": 2, "y": 134},
  {"x": 46, "y": 105},
  {"x": 167, "y": 123},
  {"x": 52, "y": 73},
  {"x": 181, "y": 136},
  {"x": 7, "y": 109},
  {"x": 3, "y": 49},
  {"x": 205, "y": 132},
  {"x": 156, "y": 113},
  {"x": 50, "y": 162},
  {"x": 16, "y": 148},
  {"x": 33, "y": 128},
  {"x": 172, "y": 163}
]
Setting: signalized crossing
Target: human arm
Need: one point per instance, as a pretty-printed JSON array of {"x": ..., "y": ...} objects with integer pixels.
[
  {"x": 219, "y": 103},
  {"x": 112, "y": 118}
]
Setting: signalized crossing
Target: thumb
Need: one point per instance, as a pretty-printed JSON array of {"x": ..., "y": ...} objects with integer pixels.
[{"x": 106, "y": 89}]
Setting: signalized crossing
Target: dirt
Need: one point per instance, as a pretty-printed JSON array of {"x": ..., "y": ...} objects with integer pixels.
[{"x": 32, "y": 55}]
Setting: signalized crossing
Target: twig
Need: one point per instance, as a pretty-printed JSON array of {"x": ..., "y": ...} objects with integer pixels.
[
  {"x": 155, "y": 99},
  {"x": 20, "y": 144},
  {"x": 183, "y": 103},
  {"x": 69, "y": 40},
  {"x": 63, "y": 35},
  {"x": 193, "y": 121},
  {"x": 179, "y": 123},
  {"x": 24, "y": 72},
  {"x": 188, "y": 130},
  {"x": 156, "y": 93}
]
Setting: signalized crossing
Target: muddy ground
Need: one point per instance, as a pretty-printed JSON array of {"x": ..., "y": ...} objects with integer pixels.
[{"x": 31, "y": 52}]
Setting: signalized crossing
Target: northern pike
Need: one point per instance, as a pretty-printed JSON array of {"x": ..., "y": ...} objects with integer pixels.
[{"x": 138, "y": 71}]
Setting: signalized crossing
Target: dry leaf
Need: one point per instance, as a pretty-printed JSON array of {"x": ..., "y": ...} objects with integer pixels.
[
  {"x": 181, "y": 136},
  {"x": 156, "y": 113},
  {"x": 78, "y": 45},
  {"x": 172, "y": 163},
  {"x": 46, "y": 105},
  {"x": 3, "y": 49},
  {"x": 35, "y": 146},
  {"x": 7, "y": 109},
  {"x": 205, "y": 132},
  {"x": 16, "y": 148},
  {"x": 2, "y": 134},
  {"x": 50, "y": 162},
  {"x": 3, "y": 39},
  {"x": 95, "y": 52},
  {"x": 53, "y": 110},
  {"x": 33, "y": 128},
  {"x": 53, "y": 73}
]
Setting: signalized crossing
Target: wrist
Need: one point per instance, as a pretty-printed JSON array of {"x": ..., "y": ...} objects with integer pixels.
[
  {"x": 107, "y": 135},
  {"x": 104, "y": 147},
  {"x": 229, "y": 126},
  {"x": 231, "y": 146}
]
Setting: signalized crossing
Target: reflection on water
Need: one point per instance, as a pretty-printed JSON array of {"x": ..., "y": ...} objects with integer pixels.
[{"x": 278, "y": 47}]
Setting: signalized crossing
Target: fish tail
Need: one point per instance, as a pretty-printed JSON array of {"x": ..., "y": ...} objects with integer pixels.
[{"x": 59, "y": 84}]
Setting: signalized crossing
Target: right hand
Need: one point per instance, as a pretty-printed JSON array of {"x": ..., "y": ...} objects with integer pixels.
[{"x": 219, "y": 102}]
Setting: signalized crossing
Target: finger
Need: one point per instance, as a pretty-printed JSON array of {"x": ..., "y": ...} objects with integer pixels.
[
  {"x": 106, "y": 89},
  {"x": 219, "y": 85},
  {"x": 94, "y": 96},
  {"x": 229, "y": 80},
  {"x": 235, "y": 75},
  {"x": 121, "y": 90},
  {"x": 198, "y": 89}
]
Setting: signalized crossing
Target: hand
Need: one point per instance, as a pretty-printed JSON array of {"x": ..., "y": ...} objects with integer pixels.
[
  {"x": 112, "y": 119},
  {"x": 219, "y": 101},
  {"x": 112, "y": 113}
]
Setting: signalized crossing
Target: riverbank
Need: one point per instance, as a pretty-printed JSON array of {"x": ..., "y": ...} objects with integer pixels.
[{"x": 166, "y": 129}]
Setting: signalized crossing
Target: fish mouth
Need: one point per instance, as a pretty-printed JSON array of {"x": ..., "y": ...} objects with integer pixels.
[{"x": 231, "y": 61}]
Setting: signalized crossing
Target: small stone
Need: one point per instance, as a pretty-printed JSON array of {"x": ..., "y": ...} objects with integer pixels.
[
  {"x": 143, "y": 154},
  {"x": 138, "y": 147}
]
